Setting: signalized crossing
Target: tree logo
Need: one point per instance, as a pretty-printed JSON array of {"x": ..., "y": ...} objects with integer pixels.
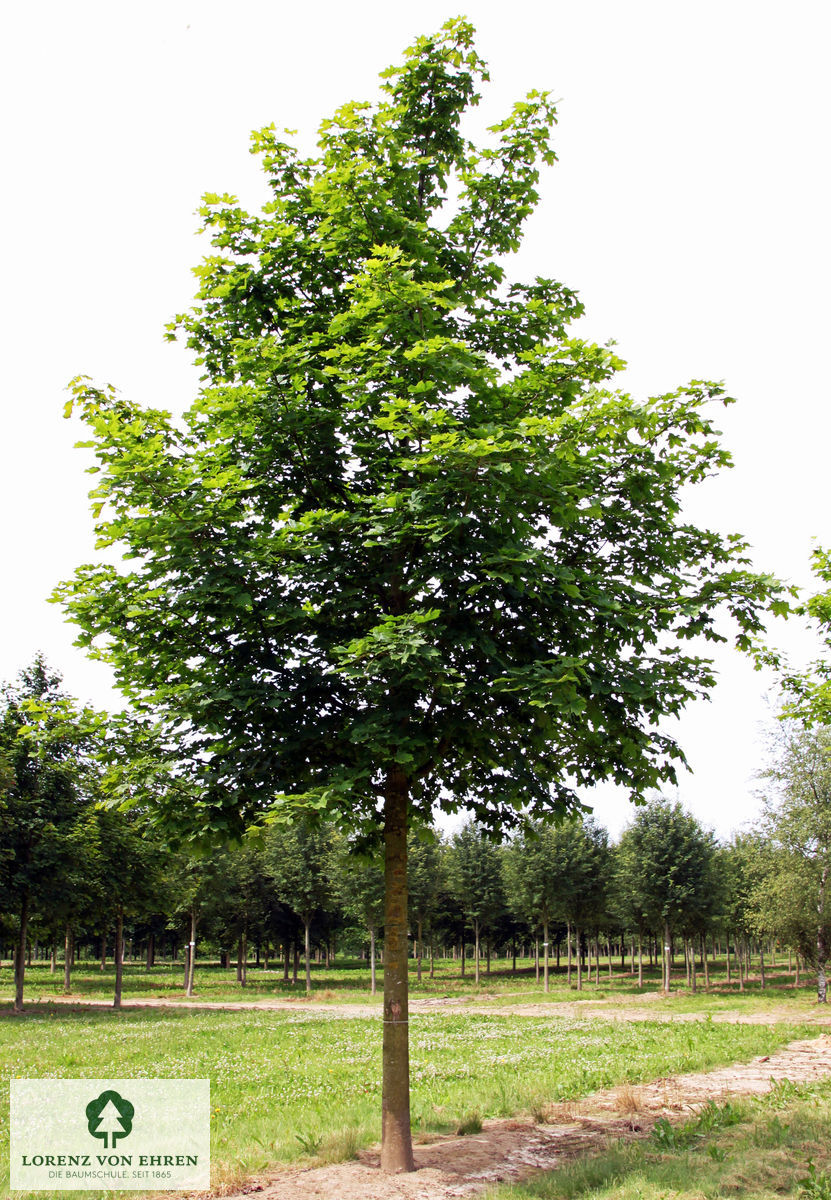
[{"x": 110, "y": 1116}]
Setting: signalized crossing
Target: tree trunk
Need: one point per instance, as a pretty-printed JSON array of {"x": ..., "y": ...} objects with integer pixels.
[
  {"x": 296, "y": 963},
  {"x": 822, "y": 948},
  {"x": 418, "y": 967},
  {"x": 396, "y": 1138},
  {"x": 373, "y": 983},
  {"x": 20, "y": 956},
  {"x": 609, "y": 951},
  {"x": 119, "y": 956},
  {"x": 667, "y": 956},
  {"x": 545, "y": 953},
  {"x": 68, "y": 955},
  {"x": 579, "y": 959},
  {"x": 103, "y": 951},
  {"x": 192, "y": 952},
  {"x": 463, "y": 958},
  {"x": 476, "y": 952},
  {"x": 568, "y": 944},
  {"x": 640, "y": 961},
  {"x": 432, "y": 958},
  {"x": 692, "y": 966},
  {"x": 537, "y": 959},
  {"x": 307, "y": 926},
  {"x": 705, "y": 962},
  {"x": 728, "y": 958},
  {"x": 151, "y": 951},
  {"x": 53, "y": 959}
]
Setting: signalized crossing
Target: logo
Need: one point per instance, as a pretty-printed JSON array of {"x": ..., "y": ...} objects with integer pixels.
[
  {"x": 110, "y": 1116},
  {"x": 106, "y": 1136}
]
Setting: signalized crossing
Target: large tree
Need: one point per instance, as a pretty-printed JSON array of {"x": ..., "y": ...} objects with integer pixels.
[{"x": 406, "y": 547}]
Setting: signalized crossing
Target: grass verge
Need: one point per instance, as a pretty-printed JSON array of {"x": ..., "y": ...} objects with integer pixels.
[{"x": 746, "y": 1149}]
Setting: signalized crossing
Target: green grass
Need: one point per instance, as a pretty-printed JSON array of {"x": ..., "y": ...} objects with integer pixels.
[
  {"x": 747, "y": 1149},
  {"x": 348, "y": 982},
  {"x": 286, "y": 1085}
]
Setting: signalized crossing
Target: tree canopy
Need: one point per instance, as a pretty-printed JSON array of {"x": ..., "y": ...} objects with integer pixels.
[{"x": 408, "y": 546}]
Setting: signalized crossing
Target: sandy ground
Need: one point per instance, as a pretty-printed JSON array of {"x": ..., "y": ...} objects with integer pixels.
[
  {"x": 511, "y": 1151},
  {"x": 625, "y": 1008}
]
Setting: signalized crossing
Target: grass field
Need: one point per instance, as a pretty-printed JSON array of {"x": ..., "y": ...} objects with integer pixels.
[
  {"x": 746, "y": 1149},
  {"x": 286, "y": 1085},
  {"x": 349, "y": 982},
  {"x": 292, "y": 1084}
]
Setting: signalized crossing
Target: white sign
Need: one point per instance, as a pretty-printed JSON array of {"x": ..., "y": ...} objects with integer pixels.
[{"x": 108, "y": 1134}]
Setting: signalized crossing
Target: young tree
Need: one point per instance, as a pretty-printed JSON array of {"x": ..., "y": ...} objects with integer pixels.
[
  {"x": 540, "y": 877},
  {"x": 475, "y": 876},
  {"x": 424, "y": 878},
  {"x": 298, "y": 860},
  {"x": 666, "y": 868},
  {"x": 46, "y": 770},
  {"x": 359, "y": 885},
  {"x": 407, "y": 545},
  {"x": 797, "y": 824}
]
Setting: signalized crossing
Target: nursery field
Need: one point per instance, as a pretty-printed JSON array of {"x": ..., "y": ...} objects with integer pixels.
[
  {"x": 289, "y": 1085},
  {"x": 348, "y": 981}
]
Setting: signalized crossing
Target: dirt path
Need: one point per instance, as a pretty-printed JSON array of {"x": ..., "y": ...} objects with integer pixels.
[
  {"x": 626, "y": 1008},
  {"x": 513, "y": 1150}
]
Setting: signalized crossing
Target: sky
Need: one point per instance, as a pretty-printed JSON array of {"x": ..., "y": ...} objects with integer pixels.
[{"x": 689, "y": 208}]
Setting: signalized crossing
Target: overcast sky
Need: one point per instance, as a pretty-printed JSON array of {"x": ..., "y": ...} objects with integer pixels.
[{"x": 690, "y": 208}]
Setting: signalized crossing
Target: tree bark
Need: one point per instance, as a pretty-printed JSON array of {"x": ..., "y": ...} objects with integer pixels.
[
  {"x": 640, "y": 961},
  {"x": 579, "y": 958},
  {"x": 822, "y": 948},
  {"x": 396, "y": 1137},
  {"x": 667, "y": 960},
  {"x": 476, "y": 952},
  {"x": 545, "y": 954},
  {"x": 68, "y": 955},
  {"x": 20, "y": 956},
  {"x": 692, "y": 966},
  {"x": 307, "y": 951},
  {"x": 119, "y": 956},
  {"x": 192, "y": 952},
  {"x": 373, "y": 985}
]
